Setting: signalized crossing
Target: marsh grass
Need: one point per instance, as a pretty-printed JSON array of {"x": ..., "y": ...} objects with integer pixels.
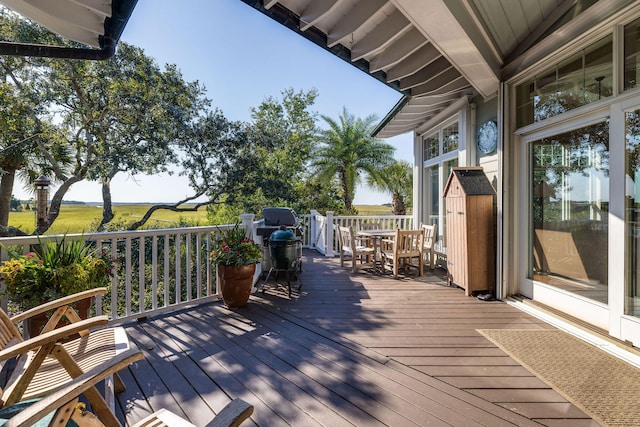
[
  {"x": 77, "y": 218},
  {"x": 82, "y": 218}
]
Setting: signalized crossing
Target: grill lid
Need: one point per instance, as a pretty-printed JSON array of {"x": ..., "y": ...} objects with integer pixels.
[
  {"x": 282, "y": 236},
  {"x": 279, "y": 216}
]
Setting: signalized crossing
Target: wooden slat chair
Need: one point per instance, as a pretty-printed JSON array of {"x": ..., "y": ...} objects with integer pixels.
[
  {"x": 62, "y": 405},
  {"x": 49, "y": 360},
  {"x": 403, "y": 248},
  {"x": 430, "y": 238},
  {"x": 369, "y": 241},
  {"x": 352, "y": 246}
]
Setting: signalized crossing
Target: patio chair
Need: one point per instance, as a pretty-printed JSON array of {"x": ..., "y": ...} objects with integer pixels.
[
  {"x": 430, "y": 237},
  {"x": 352, "y": 246},
  {"x": 366, "y": 226},
  {"x": 57, "y": 408},
  {"x": 45, "y": 362},
  {"x": 403, "y": 248}
]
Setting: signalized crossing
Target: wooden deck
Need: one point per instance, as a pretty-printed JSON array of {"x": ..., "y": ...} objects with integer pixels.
[{"x": 349, "y": 349}]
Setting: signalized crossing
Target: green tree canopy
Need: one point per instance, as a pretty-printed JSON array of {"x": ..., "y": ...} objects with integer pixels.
[
  {"x": 123, "y": 116},
  {"x": 22, "y": 102},
  {"x": 346, "y": 151},
  {"x": 395, "y": 179},
  {"x": 275, "y": 163}
]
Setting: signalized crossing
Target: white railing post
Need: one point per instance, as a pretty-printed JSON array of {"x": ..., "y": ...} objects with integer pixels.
[
  {"x": 313, "y": 226},
  {"x": 329, "y": 239},
  {"x": 247, "y": 222}
]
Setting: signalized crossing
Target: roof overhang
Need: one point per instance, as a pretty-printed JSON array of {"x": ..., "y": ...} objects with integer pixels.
[
  {"x": 95, "y": 23},
  {"x": 438, "y": 52},
  {"x": 426, "y": 53}
]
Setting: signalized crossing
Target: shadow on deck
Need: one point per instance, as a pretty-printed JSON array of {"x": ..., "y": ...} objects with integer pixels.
[{"x": 347, "y": 349}]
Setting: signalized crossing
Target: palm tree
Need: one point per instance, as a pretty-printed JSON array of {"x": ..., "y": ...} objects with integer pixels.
[
  {"x": 347, "y": 150},
  {"x": 397, "y": 180}
]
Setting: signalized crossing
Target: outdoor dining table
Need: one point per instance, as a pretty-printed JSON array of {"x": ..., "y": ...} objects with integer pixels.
[{"x": 376, "y": 236}]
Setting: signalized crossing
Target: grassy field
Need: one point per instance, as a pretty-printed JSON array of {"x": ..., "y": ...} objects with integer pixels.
[
  {"x": 83, "y": 218},
  {"x": 77, "y": 218},
  {"x": 366, "y": 210}
]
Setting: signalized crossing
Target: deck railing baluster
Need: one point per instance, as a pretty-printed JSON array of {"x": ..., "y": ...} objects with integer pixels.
[
  {"x": 154, "y": 272},
  {"x": 141, "y": 278},
  {"x": 128, "y": 276},
  {"x": 155, "y": 260}
]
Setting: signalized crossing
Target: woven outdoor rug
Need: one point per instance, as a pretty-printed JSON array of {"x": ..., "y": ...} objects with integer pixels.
[{"x": 603, "y": 386}]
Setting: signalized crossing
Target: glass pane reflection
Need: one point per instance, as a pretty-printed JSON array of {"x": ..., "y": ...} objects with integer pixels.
[{"x": 569, "y": 190}]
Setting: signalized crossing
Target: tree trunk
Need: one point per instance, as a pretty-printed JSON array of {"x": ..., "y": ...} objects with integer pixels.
[
  {"x": 397, "y": 205},
  {"x": 348, "y": 202},
  {"x": 6, "y": 188},
  {"x": 56, "y": 200},
  {"x": 107, "y": 204}
]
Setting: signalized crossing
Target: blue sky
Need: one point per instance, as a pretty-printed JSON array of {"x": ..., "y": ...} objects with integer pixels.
[{"x": 241, "y": 56}]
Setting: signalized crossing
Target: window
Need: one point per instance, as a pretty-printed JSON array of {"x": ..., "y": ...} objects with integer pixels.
[
  {"x": 569, "y": 199},
  {"x": 632, "y": 213},
  {"x": 431, "y": 147},
  {"x": 632, "y": 54},
  {"x": 440, "y": 156},
  {"x": 579, "y": 80},
  {"x": 450, "y": 138}
]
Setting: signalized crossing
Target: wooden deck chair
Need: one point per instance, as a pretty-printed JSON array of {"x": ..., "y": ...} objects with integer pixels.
[
  {"x": 370, "y": 241},
  {"x": 47, "y": 361},
  {"x": 57, "y": 408},
  {"x": 430, "y": 238},
  {"x": 352, "y": 246},
  {"x": 403, "y": 248}
]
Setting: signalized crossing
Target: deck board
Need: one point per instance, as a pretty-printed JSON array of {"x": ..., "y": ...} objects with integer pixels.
[{"x": 346, "y": 349}]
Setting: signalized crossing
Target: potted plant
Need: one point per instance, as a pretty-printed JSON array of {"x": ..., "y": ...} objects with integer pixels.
[
  {"x": 236, "y": 257},
  {"x": 54, "y": 270}
]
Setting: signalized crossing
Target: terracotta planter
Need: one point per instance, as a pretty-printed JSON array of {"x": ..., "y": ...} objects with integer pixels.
[{"x": 235, "y": 284}]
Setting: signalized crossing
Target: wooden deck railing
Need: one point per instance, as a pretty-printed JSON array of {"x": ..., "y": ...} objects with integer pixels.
[{"x": 165, "y": 269}]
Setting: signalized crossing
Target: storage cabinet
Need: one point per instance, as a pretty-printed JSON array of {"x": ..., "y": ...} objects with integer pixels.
[{"x": 470, "y": 230}]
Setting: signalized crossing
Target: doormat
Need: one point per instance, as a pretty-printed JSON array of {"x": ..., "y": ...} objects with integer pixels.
[{"x": 603, "y": 386}]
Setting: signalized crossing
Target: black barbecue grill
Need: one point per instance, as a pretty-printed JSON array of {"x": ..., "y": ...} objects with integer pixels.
[
  {"x": 274, "y": 220},
  {"x": 276, "y": 217},
  {"x": 280, "y": 219}
]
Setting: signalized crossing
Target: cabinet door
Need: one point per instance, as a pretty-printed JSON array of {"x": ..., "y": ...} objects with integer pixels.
[{"x": 456, "y": 241}]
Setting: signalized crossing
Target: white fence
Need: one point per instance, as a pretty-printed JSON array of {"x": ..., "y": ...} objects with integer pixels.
[
  {"x": 157, "y": 270},
  {"x": 322, "y": 230},
  {"x": 165, "y": 269}
]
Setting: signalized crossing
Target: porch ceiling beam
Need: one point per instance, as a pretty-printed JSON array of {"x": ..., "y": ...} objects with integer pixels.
[
  {"x": 444, "y": 84},
  {"x": 412, "y": 117},
  {"x": 399, "y": 50},
  {"x": 434, "y": 120},
  {"x": 430, "y": 100},
  {"x": 434, "y": 102},
  {"x": 359, "y": 14},
  {"x": 382, "y": 36},
  {"x": 437, "y": 81},
  {"x": 427, "y": 74},
  {"x": 268, "y": 4},
  {"x": 392, "y": 130},
  {"x": 441, "y": 27},
  {"x": 425, "y": 55},
  {"x": 598, "y": 16},
  {"x": 315, "y": 11},
  {"x": 557, "y": 13}
]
